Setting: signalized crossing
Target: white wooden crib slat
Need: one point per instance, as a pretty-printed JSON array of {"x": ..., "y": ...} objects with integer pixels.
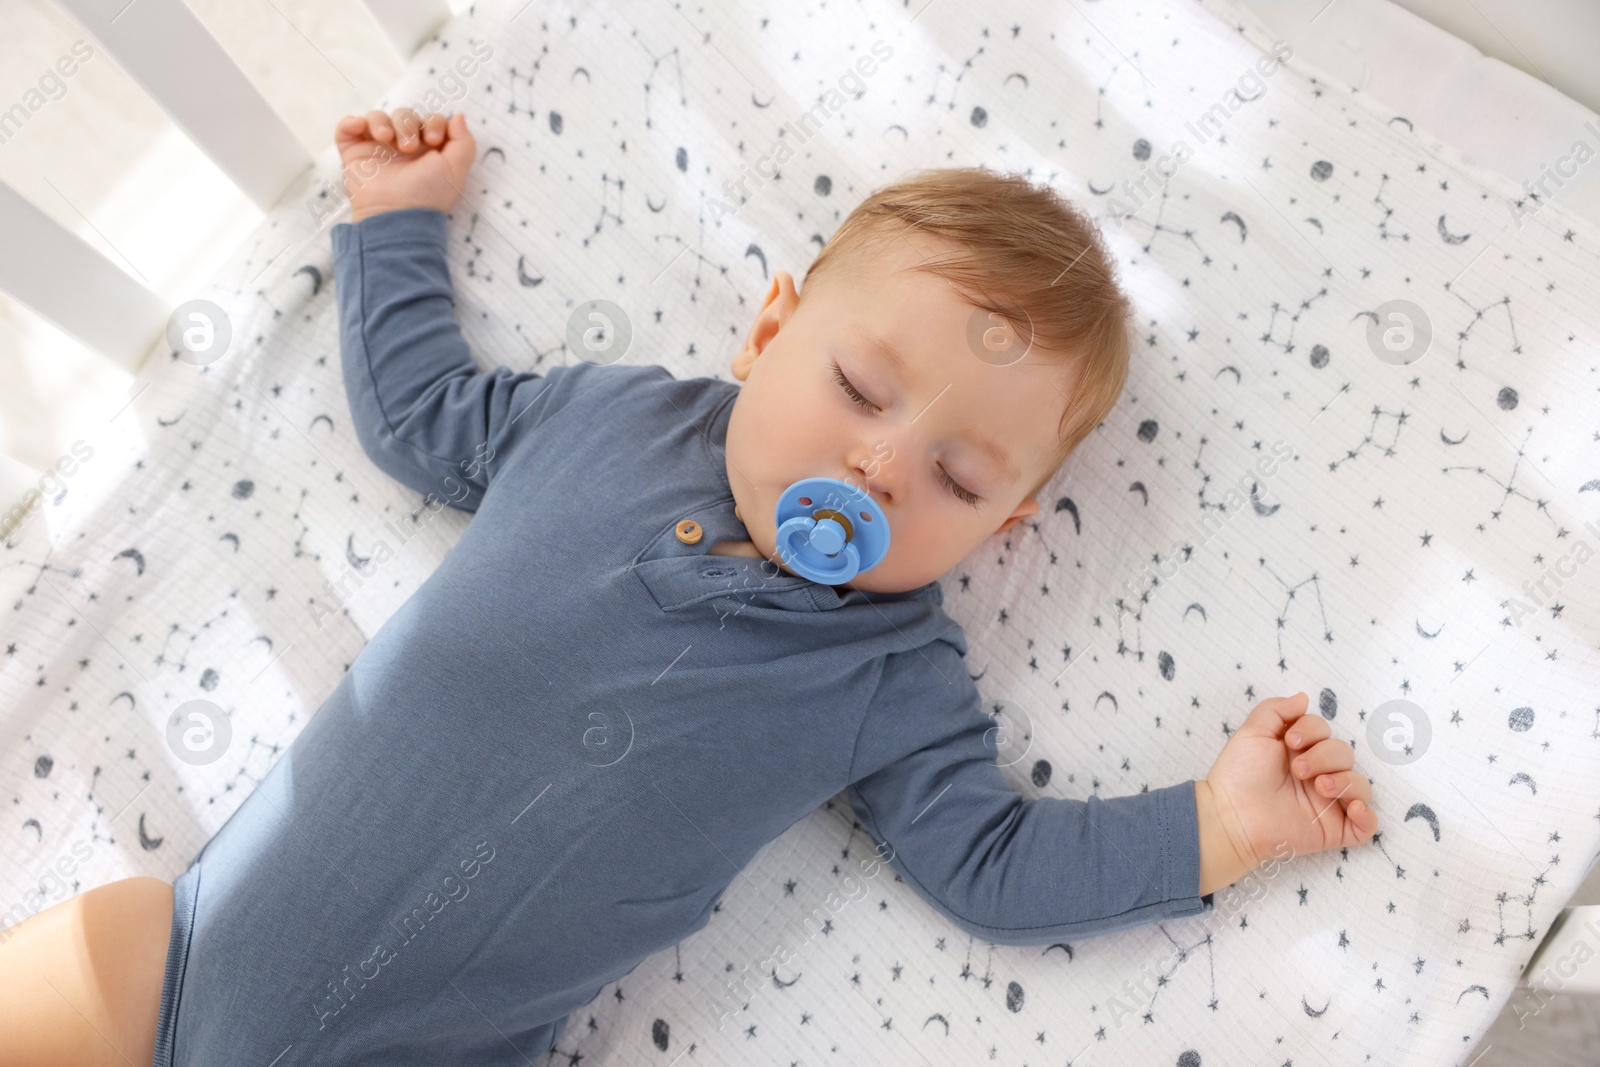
[
  {"x": 407, "y": 23},
  {"x": 65, "y": 279},
  {"x": 1561, "y": 963},
  {"x": 172, "y": 56}
]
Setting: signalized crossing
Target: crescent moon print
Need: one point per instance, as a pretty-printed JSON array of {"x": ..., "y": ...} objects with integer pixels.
[
  {"x": 904, "y": 134},
  {"x": 755, "y": 250},
  {"x": 758, "y": 103},
  {"x": 1448, "y": 440},
  {"x": 1257, "y": 506},
  {"x": 1237, "y": 377},
  {"x": 314, "y": 274},
  {"x": 1425, "y": 813},
  {"x": 581, "y": 70},
  {"x": 135, "y": 555},
  {"x": 357, "y": 563},
  {"x": 170, "y": 422},
  {"x": 1021, "y": 77},
  {"x": 1195, "y": 607},
  {"x": 1144, "y": 494},
  {"x": 1233, "y": 217},
  {"x": 1107, "y": 695},
  {"x": 1066, "y": 504},
  {"x": 528, "y": 281},
  {"x": 1423, "y": 633},
  {"x": 1101, "y": 192},
  {"x": 1451, "y": 238}
]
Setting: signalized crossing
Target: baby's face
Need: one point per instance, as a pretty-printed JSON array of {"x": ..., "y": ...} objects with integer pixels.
[{"x": 926, "y": 426}]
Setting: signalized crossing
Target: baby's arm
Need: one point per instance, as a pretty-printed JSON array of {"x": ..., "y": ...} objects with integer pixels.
[
  {"x": 422, "y": 410},
  {"x": 1023, "y": 871},
  {"x": 1007, "y": 868}
]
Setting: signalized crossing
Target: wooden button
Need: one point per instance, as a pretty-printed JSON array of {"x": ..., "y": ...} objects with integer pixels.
[{"x": 689, "y": 532}]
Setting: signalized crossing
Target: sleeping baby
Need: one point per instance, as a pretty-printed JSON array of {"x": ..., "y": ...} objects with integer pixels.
[{"x": 685, "y": 614}]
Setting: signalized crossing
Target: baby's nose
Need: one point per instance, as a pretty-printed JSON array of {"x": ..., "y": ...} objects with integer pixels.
[{"x": 874, "y": 477}]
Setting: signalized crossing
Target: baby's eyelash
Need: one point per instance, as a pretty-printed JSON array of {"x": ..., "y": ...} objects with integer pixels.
[
  {"x": 838, "y": 376},
  {"x": 965, "y": 496}
]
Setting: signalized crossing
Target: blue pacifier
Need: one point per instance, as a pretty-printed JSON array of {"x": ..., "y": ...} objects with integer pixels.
[{"x": 830, "y": 531}]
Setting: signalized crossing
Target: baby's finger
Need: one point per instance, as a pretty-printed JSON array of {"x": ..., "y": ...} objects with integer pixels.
[
  {"x": 1272, "y": 716},
  {"x": 433, "y": 129},
  {"x": 382, "y": 129},
  {"x": 1362, "y": 820},
  {"x": 460, "y": 147},
  {"x": 1329, "y": 754},
  {"x": 1307, "y": 730},
  {"x": 1346, "y": 786},
  {"x": 407, "y": 123}
]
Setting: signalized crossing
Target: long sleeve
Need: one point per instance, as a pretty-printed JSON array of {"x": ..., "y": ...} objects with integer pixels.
[
  {"x": 423, "y": 411},
  {"x": 1010, "y": 869}
]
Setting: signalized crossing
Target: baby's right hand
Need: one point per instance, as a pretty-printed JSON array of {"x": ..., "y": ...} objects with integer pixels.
[
  {"x": 404, "y": 161},
  {"x": 1263, "y": 798}
]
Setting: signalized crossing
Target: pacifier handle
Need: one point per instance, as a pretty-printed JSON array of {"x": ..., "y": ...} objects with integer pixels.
[{"x": 829, "y": 530}]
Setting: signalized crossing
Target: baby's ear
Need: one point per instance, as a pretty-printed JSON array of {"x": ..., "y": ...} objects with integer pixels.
[
  {"x": 742, "y": 361},
  {"x": 1029, "y": 506}
]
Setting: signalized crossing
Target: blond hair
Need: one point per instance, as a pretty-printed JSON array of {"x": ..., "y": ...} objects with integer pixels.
[{"x": 1022, "y": 252}]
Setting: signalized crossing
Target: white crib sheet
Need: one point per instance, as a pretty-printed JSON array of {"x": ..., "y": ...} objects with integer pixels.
[{"x": 1385, "y": 562}]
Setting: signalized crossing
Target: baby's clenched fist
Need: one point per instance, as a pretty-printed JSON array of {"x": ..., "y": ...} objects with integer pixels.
[{"x": 404, "y": 160}]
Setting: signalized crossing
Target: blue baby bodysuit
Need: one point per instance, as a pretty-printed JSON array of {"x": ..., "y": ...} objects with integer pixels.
[{"x": 552, "y": 760}]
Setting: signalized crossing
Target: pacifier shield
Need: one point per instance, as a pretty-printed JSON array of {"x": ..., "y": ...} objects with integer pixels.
[{"x": 829, "y": 530}]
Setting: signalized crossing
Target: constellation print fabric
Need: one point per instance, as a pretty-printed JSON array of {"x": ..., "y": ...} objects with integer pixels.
[{"x": 1297, "y": 490}]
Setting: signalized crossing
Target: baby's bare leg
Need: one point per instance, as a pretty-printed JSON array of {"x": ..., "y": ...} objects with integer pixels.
[{"x": 80, "y": 982}]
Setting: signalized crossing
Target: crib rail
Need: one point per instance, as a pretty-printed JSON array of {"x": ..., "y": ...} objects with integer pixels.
[
  {"x": 184, "y": 69},
  {"x": 1561, "y": 962}
]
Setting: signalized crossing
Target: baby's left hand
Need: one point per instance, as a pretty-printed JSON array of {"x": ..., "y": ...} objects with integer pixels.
[{"x": 1266, "y": 798}]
